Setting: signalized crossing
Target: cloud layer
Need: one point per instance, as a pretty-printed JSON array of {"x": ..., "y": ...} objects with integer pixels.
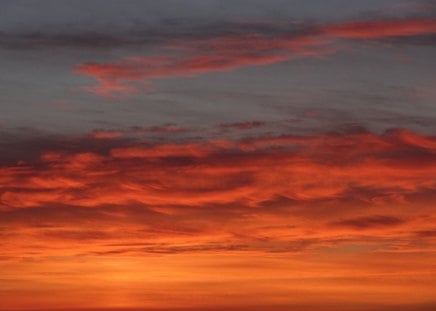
[
  {"x": 333, "y": 206},
  {"x": 337, "y": 181}
]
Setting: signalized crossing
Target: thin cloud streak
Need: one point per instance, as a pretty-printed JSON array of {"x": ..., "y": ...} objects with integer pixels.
[
  {"x": 234, "y": 51},
  {"x": 379, "y": 29}
]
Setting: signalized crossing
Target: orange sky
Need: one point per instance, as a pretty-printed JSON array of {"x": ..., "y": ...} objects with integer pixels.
[{"x": 341, "y": 218}]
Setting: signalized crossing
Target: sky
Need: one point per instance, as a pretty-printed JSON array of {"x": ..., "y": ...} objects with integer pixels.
[{"x": 218, "y": 155}]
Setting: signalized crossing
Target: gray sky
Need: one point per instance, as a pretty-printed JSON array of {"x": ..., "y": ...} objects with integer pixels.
[{"x": 378, "y": 82}]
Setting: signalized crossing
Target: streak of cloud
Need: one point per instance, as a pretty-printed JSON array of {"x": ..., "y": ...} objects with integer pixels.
[{"x": 234, "y": 51}]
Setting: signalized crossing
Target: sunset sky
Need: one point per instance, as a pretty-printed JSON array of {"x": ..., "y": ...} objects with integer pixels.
[{"x": 245, "y": 155}]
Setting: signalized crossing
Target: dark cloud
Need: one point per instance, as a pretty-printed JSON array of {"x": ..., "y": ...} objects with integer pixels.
[
  {"x": 426, "y": 233},
  {"x": 75, "y": 235},
  {"x": 141, "y": 35},
  {"x": 173, "y": 31},
  {"x": 248, "y": 125},
  {"x": 290, "y": 246},
  {"x": 424, "y": 40},
  {"x": 370, "y": 222}
]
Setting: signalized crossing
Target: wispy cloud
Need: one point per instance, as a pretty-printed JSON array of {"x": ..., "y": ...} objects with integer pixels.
[
  {"x": 378, "y": 29},
  {"x": 369, "y": 222},
  {"x": 193, "y": 57},
  {"x": 225, "y": 52}
]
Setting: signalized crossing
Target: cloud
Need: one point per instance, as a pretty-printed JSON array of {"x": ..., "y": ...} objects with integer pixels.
[
  {"x": 75, "y": 234},
  {"x": 248, "y": 125},
  {"x": 378, "y": 29},
  {"x": 224, "y": 171},
  {"x": 426, "y": 233},
  {"x": 197, "y": 57},
  {"x": 293, "y": 246},
  {"x": 102, "y": 134},
  {"x": 254, "y": 194},
  {"x": 368, "y": 222},
  {"x": 84, "y": 40},
  {"x": 226, "y": 52},
  {"x": 167, "y": 128},
  {"x": 137, "y": 36},
  {"x": 302, "y": 211}
]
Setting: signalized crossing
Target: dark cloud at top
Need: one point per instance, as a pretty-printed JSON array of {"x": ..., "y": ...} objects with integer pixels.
[
  {"x": 99, "y": 24},
  {"x": 141, "y": 35},
  {"x": 101, "y": 14}
]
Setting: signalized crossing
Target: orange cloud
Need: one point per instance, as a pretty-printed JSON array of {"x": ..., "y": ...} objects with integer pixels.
[
  {"x": 276, "y": 215},
  {"x": 381, "y": 168}
]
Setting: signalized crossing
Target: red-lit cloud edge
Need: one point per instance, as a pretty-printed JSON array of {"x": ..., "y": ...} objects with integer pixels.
[
  {"x": 275, "y": 194},
  {"x": 193, "y": 57}
]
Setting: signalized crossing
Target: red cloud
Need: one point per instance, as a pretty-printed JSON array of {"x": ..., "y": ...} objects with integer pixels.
[
  {"x": 115, "y": 79},
  {"x": 100, "y": 134},
  {"x": 225, "y": 53},
  {"x": 212, "y": 55},
  {"x": 382, "y": 28}
]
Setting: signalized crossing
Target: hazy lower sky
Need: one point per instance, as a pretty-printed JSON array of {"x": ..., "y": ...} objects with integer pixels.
[{"x": 218, "y": 155}]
